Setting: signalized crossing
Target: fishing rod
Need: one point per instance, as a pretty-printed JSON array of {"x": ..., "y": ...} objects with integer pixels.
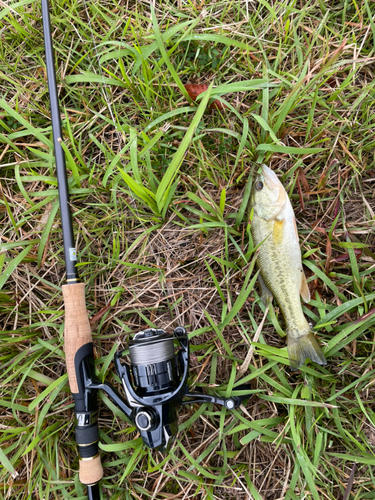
[
  {"x": 155, "y": 382},
  {"x": 77, "y": 333}
]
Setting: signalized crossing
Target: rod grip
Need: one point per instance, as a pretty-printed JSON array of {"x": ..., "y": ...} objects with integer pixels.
[
  {"x": 78, "y": 346},
  {"x": 90, "y": 471},
  {"x": 77, "y": 328}
]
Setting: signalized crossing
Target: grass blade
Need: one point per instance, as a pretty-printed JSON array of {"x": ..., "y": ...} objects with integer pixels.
[{"x": 178, "y": 157}]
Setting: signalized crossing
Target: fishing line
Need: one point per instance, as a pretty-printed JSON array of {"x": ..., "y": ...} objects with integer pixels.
[{"x": 154, "y": 352}]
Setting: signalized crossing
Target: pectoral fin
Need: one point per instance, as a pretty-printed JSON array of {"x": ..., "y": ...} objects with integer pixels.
[
  {"x": 265, "y": 293},
  {"x": 278, "y": 232},
  {"x": 304, "y": 290}
]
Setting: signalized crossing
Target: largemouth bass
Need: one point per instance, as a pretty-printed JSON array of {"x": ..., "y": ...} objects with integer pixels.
[{"x": 280, "y": 264}]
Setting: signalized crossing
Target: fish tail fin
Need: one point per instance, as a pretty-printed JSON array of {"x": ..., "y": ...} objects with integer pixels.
[{"x": 304, "y": 347}]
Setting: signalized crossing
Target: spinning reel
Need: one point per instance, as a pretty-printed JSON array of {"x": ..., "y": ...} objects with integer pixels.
[{"x": 155, "y": 385}]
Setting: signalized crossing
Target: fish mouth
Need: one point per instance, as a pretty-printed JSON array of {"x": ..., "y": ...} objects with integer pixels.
[
  {"x": 270, "y": 178},
  {"x": 273, "y": 184}
]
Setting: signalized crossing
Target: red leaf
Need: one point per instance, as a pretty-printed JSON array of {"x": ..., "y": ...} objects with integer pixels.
[
  {"x": 99, "y": 314},
  {"x": 300, "y": 194},
  {"x": 316, "y": 227},
  {"x": 194, "y": 90},
  {"x": 303, "y": 179},
  {"x": 329, "y": 254},
  {"x": 345, "y": 256}
]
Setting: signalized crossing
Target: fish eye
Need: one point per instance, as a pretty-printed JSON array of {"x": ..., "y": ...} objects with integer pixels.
[{"x": 259, "y": 185}]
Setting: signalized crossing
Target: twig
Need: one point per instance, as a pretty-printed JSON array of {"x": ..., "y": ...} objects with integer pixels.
[{"x": 249, "y": 356}]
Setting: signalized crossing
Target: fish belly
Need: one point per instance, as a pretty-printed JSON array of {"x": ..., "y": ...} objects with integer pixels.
[{"x": 280, "y": 265}]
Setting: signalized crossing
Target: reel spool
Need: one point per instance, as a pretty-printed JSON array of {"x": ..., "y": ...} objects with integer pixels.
[{"x": 154, "y": 365}]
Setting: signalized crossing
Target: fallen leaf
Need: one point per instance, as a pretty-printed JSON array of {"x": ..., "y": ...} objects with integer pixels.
[{"x": 194, "y": 90}]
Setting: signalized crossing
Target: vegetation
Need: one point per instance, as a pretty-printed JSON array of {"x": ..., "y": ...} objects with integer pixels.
[{"x": 159, "y": 188}]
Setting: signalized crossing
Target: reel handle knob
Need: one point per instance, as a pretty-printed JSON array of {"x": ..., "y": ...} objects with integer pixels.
[
  {"x": 144, "y": 420},
  {"x": 230, "y": 404}
]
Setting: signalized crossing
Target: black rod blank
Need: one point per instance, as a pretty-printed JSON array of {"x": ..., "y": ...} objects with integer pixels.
[
  {"x": 93, "y": 492},
  {"x": 66, "y": 217}
]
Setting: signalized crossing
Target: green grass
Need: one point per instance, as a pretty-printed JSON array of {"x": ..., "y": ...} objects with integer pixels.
[{"x": 159, "y": 190}]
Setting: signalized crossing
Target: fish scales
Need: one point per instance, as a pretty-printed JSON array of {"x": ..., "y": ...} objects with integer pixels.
[
  {"x": 274, "y": 229},
  {"x": 281, "y": 269}
]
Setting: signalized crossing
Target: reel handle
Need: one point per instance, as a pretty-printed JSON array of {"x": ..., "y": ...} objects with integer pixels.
[
  {"x": 78, "y": 347},
  {"x": 230, "y": 403}
]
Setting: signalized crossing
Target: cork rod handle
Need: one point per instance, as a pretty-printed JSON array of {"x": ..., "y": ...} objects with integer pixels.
[
  {"x": 90, "y": 471},
  {"x": 78, "y": 334},
  {"x": 77, "y": 327}
]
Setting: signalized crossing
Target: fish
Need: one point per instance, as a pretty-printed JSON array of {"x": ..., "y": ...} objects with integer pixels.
[{"x": 274, "y": 228}]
